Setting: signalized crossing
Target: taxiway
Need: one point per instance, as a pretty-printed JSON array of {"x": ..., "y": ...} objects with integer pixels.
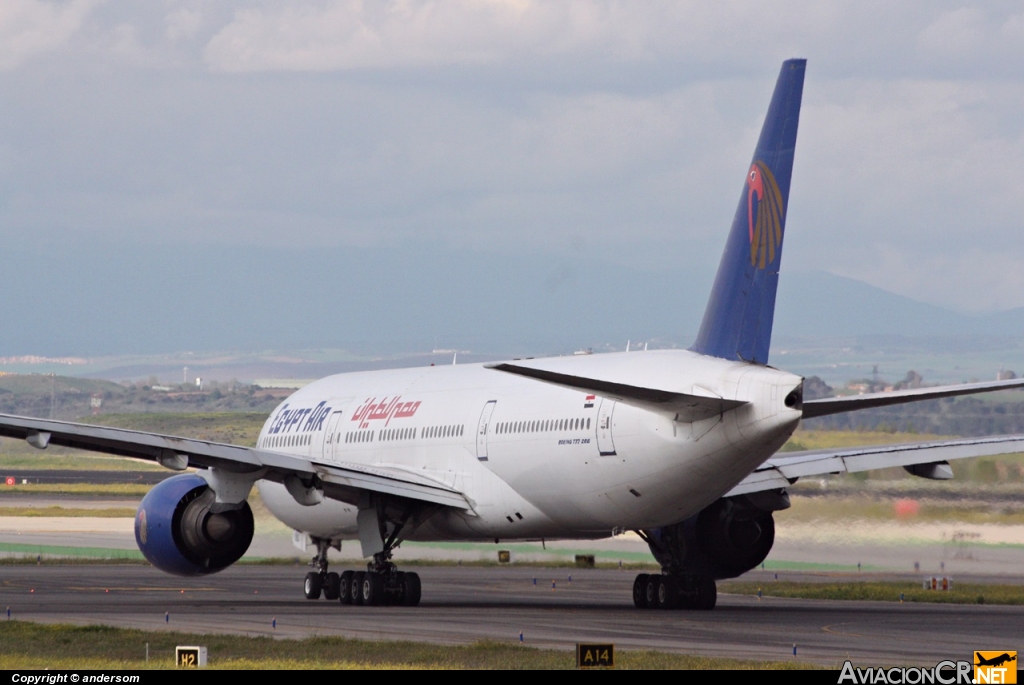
[{"x": 465, "y": 604}]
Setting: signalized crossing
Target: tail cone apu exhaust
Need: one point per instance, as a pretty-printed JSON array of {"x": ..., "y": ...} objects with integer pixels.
[{"x": 738, "y": 320}]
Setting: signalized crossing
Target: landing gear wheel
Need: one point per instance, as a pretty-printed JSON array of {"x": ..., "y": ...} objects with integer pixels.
[
  {"x": 640, "y": 591},
  {"x": 410, "y": 589},
  {"x": 357, "y": 587},
  {"x": 651, "y": 591},
  {"x": 373, "y": 589},
  {"x": 345, "y": 587},
  {"x": 668, "y": 593},
  {"x": 314, "y": 583},
  {"x": 331, "y": 586}
]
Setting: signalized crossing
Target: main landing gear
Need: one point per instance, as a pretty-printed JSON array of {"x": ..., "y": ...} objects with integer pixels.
[
  {"x": 663, "y": 591},
  {"x": 380, "y": 587},
  {"x": 381, "y": 584}
]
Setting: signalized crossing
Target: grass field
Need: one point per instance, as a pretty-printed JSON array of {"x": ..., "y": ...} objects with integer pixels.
[
  {"x": 881, "y": 591},
  {"x": 874, "y": 507},
  {"x": 74, "y": 512},
  {"x": 85, "y": 489},
  {"x": 820, "y": 439},
  {"x": 236, "y": 428},
  {"x": 38, "y": 646}
]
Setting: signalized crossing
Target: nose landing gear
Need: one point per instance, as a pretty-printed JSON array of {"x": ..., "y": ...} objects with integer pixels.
[{"x": 319, "y": 580}]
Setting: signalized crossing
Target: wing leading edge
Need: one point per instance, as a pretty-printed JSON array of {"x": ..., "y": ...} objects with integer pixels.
[
  {"x": 781, "y": 471},
  {"x": 837, "y": 405},
  {"x": 345, "y": 482}
]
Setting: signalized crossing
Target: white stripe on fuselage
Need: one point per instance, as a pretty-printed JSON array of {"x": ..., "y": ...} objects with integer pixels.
[{"x": 543, "y": 475}]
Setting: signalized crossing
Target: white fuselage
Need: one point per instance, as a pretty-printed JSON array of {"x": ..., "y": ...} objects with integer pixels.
[{"x": 535, "y": 460}]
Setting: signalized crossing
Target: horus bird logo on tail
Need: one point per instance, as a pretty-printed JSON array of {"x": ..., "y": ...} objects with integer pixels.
[{"x": 764, "y": 215}]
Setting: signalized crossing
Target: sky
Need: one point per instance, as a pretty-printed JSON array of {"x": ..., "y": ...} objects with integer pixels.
[{"x": 583, "y": 138}]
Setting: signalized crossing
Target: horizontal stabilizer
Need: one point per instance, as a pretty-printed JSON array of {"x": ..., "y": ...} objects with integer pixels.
[
  {"x": 837, "y": 405},
  {"x": 781, "y": 471},
  {"x": 686, "y": 407}
]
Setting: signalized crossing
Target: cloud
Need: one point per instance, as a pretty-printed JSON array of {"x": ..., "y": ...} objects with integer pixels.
[
  {"x": 520, "y": 126},
  {"x": 32, "y": 27},
  {"x": 183, "y": 23},
  {"x": 349, "y": 35}
]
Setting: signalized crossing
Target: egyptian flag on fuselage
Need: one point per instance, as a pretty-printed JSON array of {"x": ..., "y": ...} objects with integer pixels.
[{"x": 589, "y": 403}]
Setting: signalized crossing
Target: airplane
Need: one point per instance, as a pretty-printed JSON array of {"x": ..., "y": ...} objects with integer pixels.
[
  {"x": 996, "y": 660},
  {"x": 677, "y": 445}
]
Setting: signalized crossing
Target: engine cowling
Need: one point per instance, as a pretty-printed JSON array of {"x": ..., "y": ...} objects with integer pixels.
[
  {"x": 725, "y": 539},
  {"x": 178, "y": 532},
  {"x": 735, "y": 537}
]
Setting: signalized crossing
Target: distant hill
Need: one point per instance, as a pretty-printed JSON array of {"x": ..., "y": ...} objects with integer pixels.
[
  {"x": 89, "y": 300},
  {"x": 816, "y": 303}
]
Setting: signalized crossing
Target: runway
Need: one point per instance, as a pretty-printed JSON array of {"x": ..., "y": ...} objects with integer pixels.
[
  {"x": 463, "y": 604},
  {"x": 54, "y": 476}
]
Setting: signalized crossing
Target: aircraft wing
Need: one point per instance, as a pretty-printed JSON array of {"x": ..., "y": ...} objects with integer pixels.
[
  {"x": 345, "y": 482},
  {"x": 836, "y": 405},
  {"x": 687, "y": 406},
  {"x": 930, "y": 458}
]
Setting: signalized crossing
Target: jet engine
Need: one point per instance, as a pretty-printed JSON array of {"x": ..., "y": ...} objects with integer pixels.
[
  {"x": 181, "y": 530},
  {"x": 724, "y": 540}
]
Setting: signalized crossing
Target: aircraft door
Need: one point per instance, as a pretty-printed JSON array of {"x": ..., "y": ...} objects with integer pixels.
[
  {"x": 605, "y": 445},
  {"x": 331, "y": 435},
  {"x": 482, "y": 429}
]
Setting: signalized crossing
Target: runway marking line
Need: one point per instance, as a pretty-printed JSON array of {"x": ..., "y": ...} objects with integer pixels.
[
  {"x": 186, "y": 590},
  {"x": 829, "y": 629},
  {"x": 104, "y": 588}
]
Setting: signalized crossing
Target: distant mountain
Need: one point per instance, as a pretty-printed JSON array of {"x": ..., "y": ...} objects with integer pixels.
[
  {"x": 117, "y": 299},
  {"x": 817, "y": 304}
]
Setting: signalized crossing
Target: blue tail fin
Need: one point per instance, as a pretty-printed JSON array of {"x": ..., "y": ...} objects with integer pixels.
[{"x": 738, "y": 320}]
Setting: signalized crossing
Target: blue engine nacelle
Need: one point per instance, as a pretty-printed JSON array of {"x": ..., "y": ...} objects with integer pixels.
[{"x": 178, "y": 531}]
